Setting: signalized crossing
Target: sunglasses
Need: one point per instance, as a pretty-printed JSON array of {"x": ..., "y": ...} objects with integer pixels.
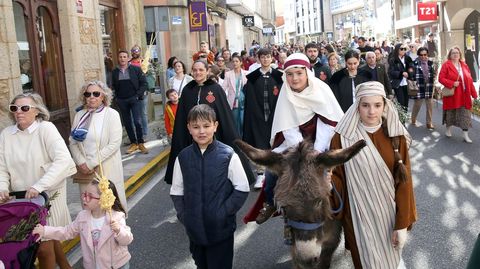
[
  {"x": 403, "y": 48},
  {"x": 88, "y": 196},
  {"x": 24, "y": 108},
  {"x": 95, "y": 94}
]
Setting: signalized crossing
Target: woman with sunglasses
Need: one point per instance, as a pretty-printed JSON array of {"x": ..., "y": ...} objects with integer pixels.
[
  {"x": 424, "y": 77},
  {"x": 96, "y": 137},
  {"x": 35, "y": 158},
  {"x": 457, "y": 109},
  {"x": 400, "y": 69}
]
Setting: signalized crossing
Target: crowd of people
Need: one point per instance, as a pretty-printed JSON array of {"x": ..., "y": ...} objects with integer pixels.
[
  {"x": 278, "y": 96},
  {"x": 272, "y": 97}
]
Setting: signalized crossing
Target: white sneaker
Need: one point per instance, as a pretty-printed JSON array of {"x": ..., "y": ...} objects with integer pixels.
[{"x": 259, "y": 181}]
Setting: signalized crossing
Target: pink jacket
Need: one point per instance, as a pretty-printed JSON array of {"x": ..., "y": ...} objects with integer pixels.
[
  {"x": 112, "y": 250},
  {"x": 229, "y": 84}
]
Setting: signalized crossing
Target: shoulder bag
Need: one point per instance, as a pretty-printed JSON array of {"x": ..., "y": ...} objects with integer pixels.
[
  {"x": 412, "y": 87},
  {"x": 447, "y": 92}
]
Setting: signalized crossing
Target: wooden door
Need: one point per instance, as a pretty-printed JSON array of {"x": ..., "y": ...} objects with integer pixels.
[{"x": 42, "y": 45}]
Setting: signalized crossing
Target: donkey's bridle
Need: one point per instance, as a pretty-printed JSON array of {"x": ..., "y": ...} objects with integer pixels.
[
  {"x": 305, "y": 226},
  {"x": 299, "y": 225}
]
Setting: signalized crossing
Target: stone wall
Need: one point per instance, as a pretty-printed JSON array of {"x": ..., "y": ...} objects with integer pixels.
[
  {"x": 133, "y": 22},
  {"x": 10, "y": 70},
  {"x": 82, "y": 47}
]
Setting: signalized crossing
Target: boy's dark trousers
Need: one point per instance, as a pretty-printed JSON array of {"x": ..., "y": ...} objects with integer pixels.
[
  {"x": 270, "y": 183},
  {"x": 218, "y": 256}
]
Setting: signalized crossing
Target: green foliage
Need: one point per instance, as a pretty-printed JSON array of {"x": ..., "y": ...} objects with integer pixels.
[
  {"x": 402, "y": 113},
  {"x": 476, "y": 107},
  {"x": 21, "y": 230}
]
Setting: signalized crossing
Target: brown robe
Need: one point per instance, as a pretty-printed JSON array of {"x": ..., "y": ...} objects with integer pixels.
[{"x": 406, "y": 213}]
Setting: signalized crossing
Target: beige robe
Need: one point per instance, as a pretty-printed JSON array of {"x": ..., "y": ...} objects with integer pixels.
[
  {"x": 41, "y": 160},
  {"x": 110, "y": 140},
  {"x": 405, "y": 214}
]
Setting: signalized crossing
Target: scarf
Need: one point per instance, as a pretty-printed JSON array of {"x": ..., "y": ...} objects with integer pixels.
[
  {"x": 297, "y": 108},
  {"x": 424, "y": 65},
  {"x": 79, "y": 133},
  {"x": 370, "y": 184}
]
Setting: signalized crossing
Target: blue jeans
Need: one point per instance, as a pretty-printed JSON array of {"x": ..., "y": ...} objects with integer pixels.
[
  {"x": 270, "y": 183},
  {"x": 132, "y": 108},
  {"x": 145, "y": 114},
  {"x": 238, "y": 119}
]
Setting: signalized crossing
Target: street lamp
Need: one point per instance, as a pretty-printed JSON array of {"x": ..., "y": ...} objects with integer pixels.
[{"x": 355, "y": 20}]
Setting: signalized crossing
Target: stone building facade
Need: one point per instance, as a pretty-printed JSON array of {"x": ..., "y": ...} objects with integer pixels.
[{"x": 53, "y": 47}]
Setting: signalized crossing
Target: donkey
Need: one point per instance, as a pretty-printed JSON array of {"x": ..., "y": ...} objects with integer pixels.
[{"x": 303, "y": 193}]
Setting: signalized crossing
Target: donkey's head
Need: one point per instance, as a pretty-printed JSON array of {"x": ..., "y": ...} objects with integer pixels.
[
  {"x": 303, "y": 188},
  {"x": 303, "y": 191}
]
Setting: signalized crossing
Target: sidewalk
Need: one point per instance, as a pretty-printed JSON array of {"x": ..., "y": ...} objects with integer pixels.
[{"x": 134, "y": 165}]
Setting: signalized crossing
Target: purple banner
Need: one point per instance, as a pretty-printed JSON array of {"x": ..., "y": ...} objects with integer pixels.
[{"x": 197, "y": 14}]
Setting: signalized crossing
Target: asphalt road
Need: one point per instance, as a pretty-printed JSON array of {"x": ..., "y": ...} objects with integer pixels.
[{"x": 446, "y": 174}]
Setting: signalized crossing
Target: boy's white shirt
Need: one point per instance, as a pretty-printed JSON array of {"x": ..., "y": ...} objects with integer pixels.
[
  {"x": 293, "y": 137},
  {"x": 236, "y": 175}
]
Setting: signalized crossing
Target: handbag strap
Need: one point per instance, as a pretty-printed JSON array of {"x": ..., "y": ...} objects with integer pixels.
[{"x": 181, "y": 84}]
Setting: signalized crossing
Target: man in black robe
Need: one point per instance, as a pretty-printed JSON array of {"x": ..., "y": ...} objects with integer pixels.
[
  {"x": 261, "y": 93},
  {"x": 212, "y": 94}
]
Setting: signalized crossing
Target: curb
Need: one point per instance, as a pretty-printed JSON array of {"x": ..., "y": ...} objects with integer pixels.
[{"x": 131, "y": 186}]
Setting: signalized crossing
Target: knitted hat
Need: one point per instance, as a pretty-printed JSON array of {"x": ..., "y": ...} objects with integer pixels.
[{"x": 296, "y": 60}]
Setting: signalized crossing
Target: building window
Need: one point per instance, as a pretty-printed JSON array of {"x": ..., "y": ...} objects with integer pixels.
[
  {"x": 404, "y": 7},
  {"x": 315, "y": 24}
]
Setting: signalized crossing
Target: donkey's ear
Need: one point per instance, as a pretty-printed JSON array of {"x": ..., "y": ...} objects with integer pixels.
[
  {"x": 339, "y": 156},
  {"x": 273, "y": 161}
]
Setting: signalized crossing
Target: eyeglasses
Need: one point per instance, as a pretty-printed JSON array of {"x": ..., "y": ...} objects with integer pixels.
[
  {"x": 423, "y": 54},
  {"x": 95, "y": 94},
  {"x": 88, "y": 196},
  {"x": 403, "y": 48},
  {"x": 24, "y": 108}
]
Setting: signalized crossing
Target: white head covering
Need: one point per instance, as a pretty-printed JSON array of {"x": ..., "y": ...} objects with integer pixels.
[
  {"x": 347, "y": 126},
  {"x": 296, "y": 108}
]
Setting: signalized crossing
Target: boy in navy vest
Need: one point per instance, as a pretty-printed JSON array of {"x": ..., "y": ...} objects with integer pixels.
[{"x": 209, "y": 186}]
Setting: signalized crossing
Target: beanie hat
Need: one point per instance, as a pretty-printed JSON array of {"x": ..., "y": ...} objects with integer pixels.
[{"x": 296, "y": 60}]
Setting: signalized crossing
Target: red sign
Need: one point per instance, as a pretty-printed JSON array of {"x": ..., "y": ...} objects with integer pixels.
[{"x": 427, "y": 11}]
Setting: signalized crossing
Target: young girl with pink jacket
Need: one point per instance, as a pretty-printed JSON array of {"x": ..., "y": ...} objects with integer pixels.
[{"x": 104, "y": 238}]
